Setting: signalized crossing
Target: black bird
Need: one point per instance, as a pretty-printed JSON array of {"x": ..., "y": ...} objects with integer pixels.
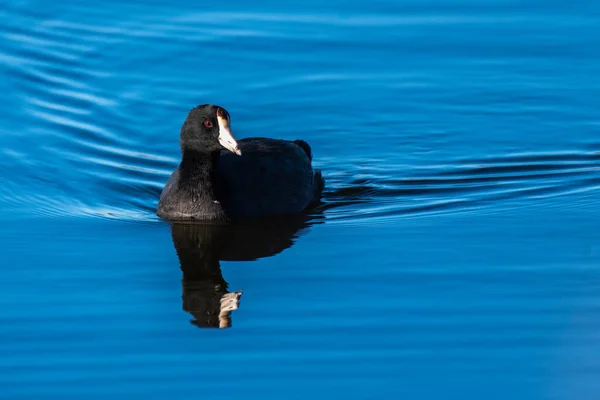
[{"x": 252, "y": 178}]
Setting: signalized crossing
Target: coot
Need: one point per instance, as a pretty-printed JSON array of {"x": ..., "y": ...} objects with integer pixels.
[{"x": 251, "y": 178}]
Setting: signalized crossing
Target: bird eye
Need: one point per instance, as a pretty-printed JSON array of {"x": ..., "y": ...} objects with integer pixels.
[{"x": 208, "y": 124}]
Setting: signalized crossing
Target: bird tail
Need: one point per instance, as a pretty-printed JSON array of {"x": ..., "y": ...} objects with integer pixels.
[
  {"x": 319, "y": 181},
  {"x": 304, "y": 147}
]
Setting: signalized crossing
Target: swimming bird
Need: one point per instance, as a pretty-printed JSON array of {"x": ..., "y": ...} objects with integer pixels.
[{"x": 221, "y": 179}]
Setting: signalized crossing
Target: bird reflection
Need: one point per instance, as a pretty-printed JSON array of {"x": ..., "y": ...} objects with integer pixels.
[{"x": 201, "y": 247}]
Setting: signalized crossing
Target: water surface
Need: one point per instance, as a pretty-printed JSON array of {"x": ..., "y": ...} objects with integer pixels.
[{"x": 456, "y": 249}]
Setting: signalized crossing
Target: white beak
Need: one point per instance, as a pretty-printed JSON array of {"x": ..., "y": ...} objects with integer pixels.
[{"x": 226, "y": 138}]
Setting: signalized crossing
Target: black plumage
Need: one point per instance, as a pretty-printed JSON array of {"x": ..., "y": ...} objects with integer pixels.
[{"x": 270, "y": 177}]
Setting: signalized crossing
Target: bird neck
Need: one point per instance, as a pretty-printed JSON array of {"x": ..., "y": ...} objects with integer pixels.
[{"x": 198, "y": 172}]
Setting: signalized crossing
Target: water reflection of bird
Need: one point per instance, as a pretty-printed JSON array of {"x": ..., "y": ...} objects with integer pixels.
[{"x": 201, "y": 247}]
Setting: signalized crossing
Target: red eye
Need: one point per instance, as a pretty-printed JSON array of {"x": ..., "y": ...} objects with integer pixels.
[{"x": 208, "y": 124}]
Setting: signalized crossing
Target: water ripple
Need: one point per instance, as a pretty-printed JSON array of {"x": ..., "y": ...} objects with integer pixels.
[
  {"x": 468, "y": 185},
  {"x": 91, "y": 147}
]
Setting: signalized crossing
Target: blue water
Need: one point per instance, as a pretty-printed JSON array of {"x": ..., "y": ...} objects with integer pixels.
[{"x": 456, "y": 253}]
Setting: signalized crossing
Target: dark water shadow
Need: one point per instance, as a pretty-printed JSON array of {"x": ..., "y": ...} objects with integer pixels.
[{"x": 201, "y": 248}]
